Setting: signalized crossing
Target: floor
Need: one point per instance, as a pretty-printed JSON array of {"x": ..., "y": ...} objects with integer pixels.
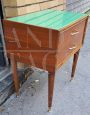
[{"x": 70, "y": 98}]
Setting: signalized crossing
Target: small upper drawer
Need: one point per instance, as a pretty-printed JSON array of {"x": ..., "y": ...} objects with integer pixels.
[{"x": 73, "y": 36}]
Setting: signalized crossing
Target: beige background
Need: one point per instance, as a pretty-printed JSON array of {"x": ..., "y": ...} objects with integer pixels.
[{"x": 20, "y": 7}]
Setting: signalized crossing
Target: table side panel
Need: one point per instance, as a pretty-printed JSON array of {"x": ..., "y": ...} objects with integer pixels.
[
  {"x": 35, "y": 37},
  {"x": 32, "y": 45}
]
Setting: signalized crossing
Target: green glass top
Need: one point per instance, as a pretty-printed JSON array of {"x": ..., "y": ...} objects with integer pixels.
[{"x": 53, "y": 19}]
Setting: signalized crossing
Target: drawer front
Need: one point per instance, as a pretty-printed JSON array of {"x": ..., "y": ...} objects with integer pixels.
[
  {"x": 73, "y": 36},
  {"x": 70, "y": 40}
]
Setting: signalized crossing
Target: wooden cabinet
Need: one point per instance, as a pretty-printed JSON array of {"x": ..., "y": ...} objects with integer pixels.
[{"x": 45, "y": 39}]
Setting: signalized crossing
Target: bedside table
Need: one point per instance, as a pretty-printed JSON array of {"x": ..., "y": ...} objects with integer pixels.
[{"x": 45, "y": 39}]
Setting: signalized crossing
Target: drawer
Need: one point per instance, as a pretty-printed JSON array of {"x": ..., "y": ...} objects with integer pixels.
[
  {"x": 73, "y": 36},
  {"x": 70, "y": 40}
]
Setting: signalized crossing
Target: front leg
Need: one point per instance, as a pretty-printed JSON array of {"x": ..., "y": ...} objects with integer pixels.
[
  {"x": 51, "y": 78},
  {"x": 75, "y": 59},
  {"x": 14, "y": 72}
]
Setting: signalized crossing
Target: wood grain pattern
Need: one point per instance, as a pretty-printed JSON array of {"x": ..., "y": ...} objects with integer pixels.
[{"x": 33, "y": 36}]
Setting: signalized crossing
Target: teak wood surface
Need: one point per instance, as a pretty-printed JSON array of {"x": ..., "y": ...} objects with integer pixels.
[{"x": 44, "y": 48}]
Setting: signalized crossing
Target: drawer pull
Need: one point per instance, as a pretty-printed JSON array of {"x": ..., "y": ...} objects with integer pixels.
[
  {"x": 74, "y": 33},
  {"x": 72, "y": 48}
]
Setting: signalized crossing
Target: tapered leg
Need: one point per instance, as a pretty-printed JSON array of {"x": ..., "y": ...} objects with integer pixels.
[
  {"x": 75, "y": 59},
  {"x": 15, "y": 75},
  {"x": 51, "y": 78}
]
